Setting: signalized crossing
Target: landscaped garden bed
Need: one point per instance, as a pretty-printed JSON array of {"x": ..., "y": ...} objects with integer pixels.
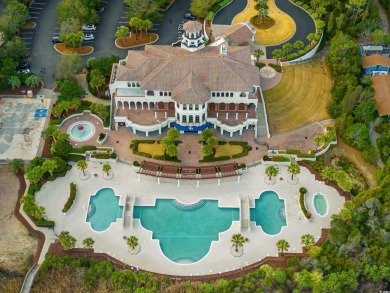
[
  {"x": 72, "y": 197},
  {"x": 226, "y": 151},
  {"x": 132, "y": 40},
  {"x": 302, "y": 193},
  {"x": 63, "y": 49}
]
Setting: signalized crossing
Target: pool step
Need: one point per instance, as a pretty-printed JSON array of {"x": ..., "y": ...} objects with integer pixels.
[
  {"x": 91, "y": 210},
  {"x": 188, "y": 207}
]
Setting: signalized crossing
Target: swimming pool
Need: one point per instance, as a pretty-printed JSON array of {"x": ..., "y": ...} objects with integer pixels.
[
  {"x": 320, "y": 205},
  {"x": 269, "y": 212},
  {"x": 104, "y": 209},
  {"x": 185, "y": 232}
]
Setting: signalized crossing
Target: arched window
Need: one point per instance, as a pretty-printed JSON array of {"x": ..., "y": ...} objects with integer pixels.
[
  {"x": 203, "y": 117},
  {"x": 197, "y": 119},
  {"x": 150, "y": 93},
  {"x": 178, "y": 117},
  {"x": 190, "y": 119},
  {"x": 213, "y": 94},
  {"x": 133, "y": 84},
  {"x": 242, "y": 95},
  {"x": 231, "y": 95},
  {"x": 222, "y": 94},
  {"x": 218, "y": 95},
  {"x": 184, "y": 118},
  {"x": 161, "y": 94},
  {"x": 129, "y": 84},
  {"x": 232, "y": 106}
]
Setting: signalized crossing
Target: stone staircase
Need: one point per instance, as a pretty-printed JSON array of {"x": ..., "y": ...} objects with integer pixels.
[
  {"x": 261, "y": 123},
  {"x": 29, "y": 279}
]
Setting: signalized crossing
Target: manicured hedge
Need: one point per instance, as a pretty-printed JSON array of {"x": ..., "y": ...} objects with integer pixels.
[
  {"x": 278, "y": 68},
  {"x": 167, "y": 158},
  {"x": 302, "y": 192},
  {"x": 75, "y": 158},
  {"x": 135, "y": 144},
  {"x": 280, "y": 159},
  {"x": 83, "y": 149},
  {"x": 45, "y": 223},
  {"x": 214, "y": 159},
  {"x": 71, "y": 198},
  {"x": 245, "y": 149},
  {"x": 104, "y": 156},
  {"x": 215, "y": 8}
]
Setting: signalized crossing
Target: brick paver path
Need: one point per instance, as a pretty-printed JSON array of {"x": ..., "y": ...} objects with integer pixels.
[{"x": 301, "y": 139}]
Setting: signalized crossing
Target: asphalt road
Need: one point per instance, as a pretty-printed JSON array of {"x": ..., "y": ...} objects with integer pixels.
[
  {"x": 226, "y": 15},
  {"x": 303, "y": 21}
]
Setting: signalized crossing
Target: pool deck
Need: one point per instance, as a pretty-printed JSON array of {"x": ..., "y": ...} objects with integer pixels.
[{"x": 53, "y": 196}]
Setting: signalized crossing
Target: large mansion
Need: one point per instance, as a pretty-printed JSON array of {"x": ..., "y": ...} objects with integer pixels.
[{"x": 190, "y": 87}]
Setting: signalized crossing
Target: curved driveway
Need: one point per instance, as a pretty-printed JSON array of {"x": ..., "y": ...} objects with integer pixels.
[
  {"x": 226, "y": 15},
  {"x": 303, "y": 21}
]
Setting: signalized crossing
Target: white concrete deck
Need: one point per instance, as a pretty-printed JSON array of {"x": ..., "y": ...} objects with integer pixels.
[{"x": 219, "y": 259}]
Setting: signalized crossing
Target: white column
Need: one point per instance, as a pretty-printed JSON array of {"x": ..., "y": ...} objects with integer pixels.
[
  {"x": 246, "y": 115},
  {"x": 159, "y": 130},
  {"x": 155, "y": 114},
  {"x": 134, "y": 131},
  {"x": 227, "y": 115},
  {"x": 236, "y": 116},
  {"x": 142, "y": 105},
  {"x": 241, "y": 131},
  {"x": 158, "y": 180},
  {"x": 231, "y": 134},
  {"x": 123, "y": 105},
  {"x": 217, "y": 114},
  {"x": 178, "y": 182},
  {"x": 148, "y": 106},
  {"x": 146, "y": 133},
  {"x": 129, "y": 105},
  {"x": 136, "y": 107},
  {"x": 165, "y": 114},
  {"x": 221, "y": 130},
  {"x": 238, "y": 178}
]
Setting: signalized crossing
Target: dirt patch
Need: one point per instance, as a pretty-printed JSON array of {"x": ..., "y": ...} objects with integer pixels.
[
  {"x": 17, "y": 246},
  {"x": 69, "y": 50}
]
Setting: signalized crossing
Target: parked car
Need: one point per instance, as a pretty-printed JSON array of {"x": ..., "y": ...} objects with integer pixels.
[
  {"x": 55, "y": 40},
  {"x": 189, "y": 16},
  {"x": 25, "y": 70},
  {"x": 23, "y": 65},
  {"x": 90, "y": 27},
  {"x": 89, "y": 37}
]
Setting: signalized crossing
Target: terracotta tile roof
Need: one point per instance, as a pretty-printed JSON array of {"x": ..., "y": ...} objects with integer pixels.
[
  {"x": 192, "y": 26},
  {"x": 375, "y": 59},
  {"x": 164, "y": 67},
  {"x": 381, "y": 85},
  {"x": 237, "y": 34},
  {"x": 191, "y": 91}
]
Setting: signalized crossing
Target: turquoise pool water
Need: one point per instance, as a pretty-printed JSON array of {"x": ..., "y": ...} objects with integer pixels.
[
  {"x": 104, "y": 209},
  {"x": 320, "y": 204},
  {"x": 83, "y": 133},
  {"x": 185, "y": 232},
  {"x": 269, "y": 212}
]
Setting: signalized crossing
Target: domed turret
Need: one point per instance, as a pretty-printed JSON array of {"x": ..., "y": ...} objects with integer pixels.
[{"x": 193, "y": 38}]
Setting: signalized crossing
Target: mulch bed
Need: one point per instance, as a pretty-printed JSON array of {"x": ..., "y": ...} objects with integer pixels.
[
  {"x": 69, "y": 50},
  {"x": 38, "y": 234},
  {"x": 133, "y": 41},
  {"x": 46, "y": 153},
  {"x": 21, "y": 90}
]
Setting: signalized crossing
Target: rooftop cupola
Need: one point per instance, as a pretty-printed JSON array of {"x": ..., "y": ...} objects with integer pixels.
[{"x": 193, "y": 38}]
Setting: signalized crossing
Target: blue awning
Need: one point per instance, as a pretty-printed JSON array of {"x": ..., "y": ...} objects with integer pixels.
[{"x": 192, "y": 128}]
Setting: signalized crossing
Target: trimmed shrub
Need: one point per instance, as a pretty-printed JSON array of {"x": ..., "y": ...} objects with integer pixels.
[
  {"x": 167, "y": 158},
  {"x": 314, "y": 15},
  {"x": 45, "y": 223},
  {"x": 299, "y": 3},
  {"x": 302, "y": 192},
  {"x": 113, "y": 156},
  {"x": 305, "y": 6},
  {"x": 215, "y": 8},
  {"x": 280, "y": 159},
  {"x": 135, "y": 144},
  {"x": 136, "y": 164},
  {"x": 245, "y": 149},
  {"x": 292, "y": 56},
  {"x": 260, "y": 65},
  {"x": 278, "y": 68},
  {"x": 214, "y": 159},
  {"x": 71, "y": 198},
  {"x": 102, "y": 136},
  {"x": 75, "y": 158},
  {"x": 310, "y": 11}
]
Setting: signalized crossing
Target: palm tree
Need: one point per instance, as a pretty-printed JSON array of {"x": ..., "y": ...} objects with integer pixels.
[
  {"x": 121, "y": 33},
  {"x": 263, "y": 13},
  {"x": 132, "y": 242},
  {"x": 328, "y": 173},
  {"x": 16, "y": 165},
  {"x": 74, "y": 104},
  {"x": 67, "y": 240},
  {"x": 310, "y": 37},
  {"x": 57, "y": 110},
  {"x": 88, "y": 242},
  {"x": 307, "y": 240},
  {"x": 271, "y": 171},
  {"x": 293, "y": 169},
  {"x": 277, "y": 54},
  {"x": 238, "y": 241},
  {"x": 262, "y": 3},
  {"x": 33, "y": 81},
  {"x": 282, "y": 245},
  {"x": 82, "y": 165},
  {"x": 258, "y": 53},
  {"x": 298, "y": 44},
  {"x": 50, "y": 166},
  {"x": 147, "y": 24},
  {"x": 287, "y": 47},
  {"x": 106, "y": 168},
  {"x": 14, "y": 82}
]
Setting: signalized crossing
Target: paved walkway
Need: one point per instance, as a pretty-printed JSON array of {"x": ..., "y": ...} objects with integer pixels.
[{"x": 53, "y": 196}]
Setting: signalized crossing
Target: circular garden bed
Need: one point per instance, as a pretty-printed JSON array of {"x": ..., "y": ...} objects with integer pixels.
[{"x": 262, "y": 23}]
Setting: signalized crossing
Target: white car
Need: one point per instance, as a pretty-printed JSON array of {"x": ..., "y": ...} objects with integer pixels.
[
  {"x": 90, "y": 27},
  {"x": 89, "y": 37}
]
